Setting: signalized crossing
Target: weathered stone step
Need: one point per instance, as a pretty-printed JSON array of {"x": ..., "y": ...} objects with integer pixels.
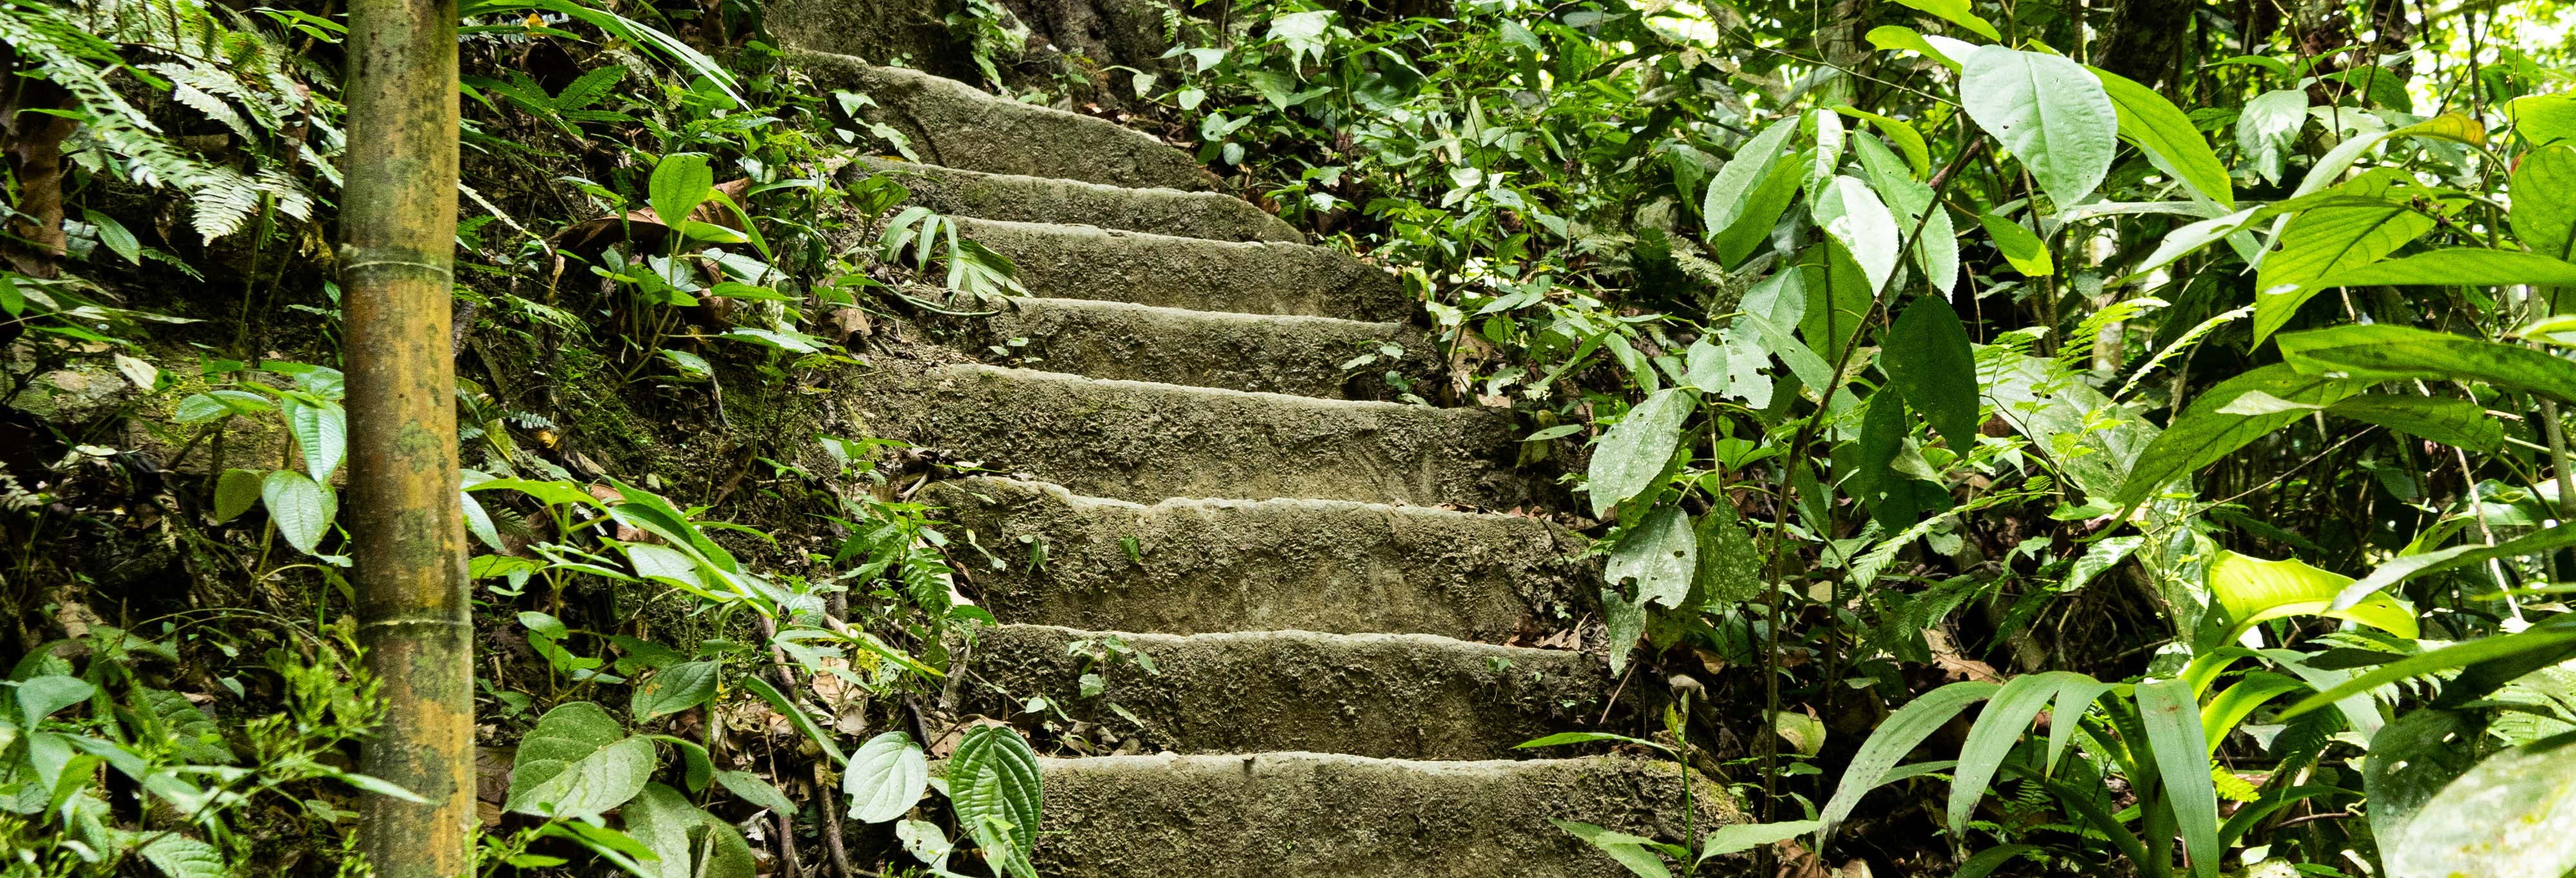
[
  {"x": 952, "y": 124},
  {"x": 1304, "y": 815},
  {"x": 1085, "y": 262},
  {"x": 1019, "y": 198},
  {"x": 1133, "y": 440},
  {"x": 1265, "y": 353},
  {"x": 1191, "y": 566},
  {"x": 1407, "y": 696}
]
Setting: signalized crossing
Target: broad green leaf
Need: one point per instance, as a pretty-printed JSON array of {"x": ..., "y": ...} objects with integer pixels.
[
  {"x": 2050, "y": 112},
  {"x": 696, "y": 768},
  {"x": 577, "y": 762},
  {"x": 1631, "y": 851},
  {"x": 1839, "y": 301},
  {"x": 680, "y": 182},
  {"x": 2341, "y": 234},
  {"x": 674, "y": 689},
  {"x": 1853, "y": 214},
  {"x": 548, "y": 493},
  {"x": 2454, "y": 127},
  {"x": 1747, "y": 836},
  {"x": 2460, "y": 266},
  {"x": 322, "y": 433},
  {"x": 2382, "y": 352},
  {"x": 886, "y": 777},
  {"x": 2405, "y": 567},
  {"x": 236, "y": 491},
  {"x": 1827, "y": 157},
  {"x": 179, "y": 856},
  {"x": 2544, "y": 201},
  {"x": 1891, "y": 38},
  {"x": 2254, "y": 591},
  {"x": 993, "y": 783},
  {"x": 1956, "y": 12},
  {"x": 2411, "y": 760},
  {"x": 1735, "y": 182},
  {"x": 2543, "y": 119},
  {"x": 2168, "y": 138},
  {"x": 2512, "y": 816},
  {"x": 1998, "y": 727},
  {"x": 1634, "y": 452},
  {"x": 2268, "y": 127},
  {"x": 2191, "y": 238},
  {"x": 2204, "y": 433},
  {"x": 1660, "y": 553},
  {"x": 750, "y": 788},
  {"x": 2239, "y": 700},
  {"x": 478, "y": 522},
  {"x": 301, "y": 508},
  {"x": 41, "y": 697},
  {"x": 1985, "y": 862},
  {"x": 1897, "y": 131},
  {"x": 1928, "y": 359},
  {"x": 685, "y": 841},
  {"x": 2022, "y": 249},
  {"x": 2443, "y": 419},
  {"x": 212, "y": 404},
  {"x": 1898, "y": 735},
  {"x": 1626, "y": 621},
  {"x": 1563, "y": 738},
  {"x": 1730, "y": 564},
  {"x": 1935, "y": 246},
  {"x": 1752, "y": 226},
  {"x": 2171, "y": 717}
]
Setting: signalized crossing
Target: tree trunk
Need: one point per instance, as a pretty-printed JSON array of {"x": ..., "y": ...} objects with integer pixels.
[
  {"x": 2144, "y": 41},
  {"x": 33, "y": 145},
  {"x": 398, "y": 222}
]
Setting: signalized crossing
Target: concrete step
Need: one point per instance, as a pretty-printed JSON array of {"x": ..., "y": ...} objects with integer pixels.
[
  {"x": 1084, "y": 262},
  {"x": 1305, "y": 815},
  {"x": 1019, "y": 198},
  {"x": 1133, "y": 440},
  {"x": 1406, "y": 696},
  {"x": 953, "y": 124},
  {"x": 1200, "y": 566},
  {"x": 1265, "y": 353}
]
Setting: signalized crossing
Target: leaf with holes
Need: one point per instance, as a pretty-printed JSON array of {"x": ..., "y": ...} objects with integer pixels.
[
  {"x": 1660, "y": 553},
  {"x": 674, "y": 689},
  {"x": 1634, "y": 452}
]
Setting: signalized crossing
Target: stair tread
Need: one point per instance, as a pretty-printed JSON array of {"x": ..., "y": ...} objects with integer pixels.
[
  {"x": 1324, "y": 357},
  {"x": 953, "y": 124},
  {"x": 1069, "y": 261},
  {"x": 1138, "y": 440},
  {"x": 1026, "y": 198},
  {"x": 1202, "y": 565}
]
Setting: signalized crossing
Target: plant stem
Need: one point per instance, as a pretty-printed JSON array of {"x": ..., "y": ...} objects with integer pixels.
[{"x": 407, "y": 528}]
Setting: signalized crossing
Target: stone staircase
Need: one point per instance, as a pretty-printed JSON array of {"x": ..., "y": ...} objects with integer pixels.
[{"x": 1298, "y": 638}]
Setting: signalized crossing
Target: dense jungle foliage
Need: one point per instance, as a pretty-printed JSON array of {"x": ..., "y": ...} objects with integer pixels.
[{"x": 2025, "y": 438}]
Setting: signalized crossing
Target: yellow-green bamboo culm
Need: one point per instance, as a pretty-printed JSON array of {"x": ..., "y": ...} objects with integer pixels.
[{"x": 398, "y": 225}]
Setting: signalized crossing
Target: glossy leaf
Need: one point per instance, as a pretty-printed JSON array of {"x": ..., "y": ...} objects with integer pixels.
[
  {"x": 2460, "y": 266},
  {"x": 2512, "y": 816},
  {"x": 2206, "y": 432},
  {"x": 1929, "y": 360},
  {"x": 2382, "y": 352},
  {"x": 1660, "y": 554},
  {"x": 2001, "y": 725},
  {"x": 1747, "y": 836},
  {"x": 886, "y": 777},
  {"x": 300, "y": 507},
  {"x": 680, "y": 182},
  {"x": 2341, "y": 234},
  {"x": 578, "y": 761},
  {"x": 2050, "y": 112},
  {"x": 2254, "y": 591},
  {"x": 993, "y": 782},
  {"x": 674, "y": 689},
  {"x": 2443, "y": 419},
  {"x": 1956, "y": 12},
  {"x": 1735, "y": 182},
  {"x": 2268, "y": 127},
  {"x": 2166, "y": 135},
  {"x": 2021, "y": 249},
  {"x": 1853, "y": 214},
  {"x": 2171, "y": 717},
  {"x": 2544, "y": 201},
  {"x": 2404, "y": 567},
  {"x": 1898, "y": 735},
  {"x": 1634, "y": 452}
]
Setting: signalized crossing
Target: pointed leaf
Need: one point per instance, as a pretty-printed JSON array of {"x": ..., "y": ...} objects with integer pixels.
[
  {"x": 1898, "y": 735},
  {"x": 2022, "y": 249},
  {"x": 1998, "y": 727},
  {"x": 301, "y": 508},
  {"x": 674, "y": 689},
  {"x": 2050, "y": 112},
  {"x": 886, "y": 777},
  {"x": 1635, "y": 451},
  {"x": 1929, "y": 360},
  {"x": 2512, "y": 816},
  {"x": 994, "y": 784},
  {"x": 1854, "y": 215},
  {"x": 2382, "y": 352},
  {"x": 2207, "y": 431},
  {"x": 2544, "y": 201},
  {"x": 2171, "y": 717},
  {"x": 2166, "y": 135},
  {"x": 577, "y": 762},
  {"x": 2459, "y": 266},
  {"x": 1734, "y": 184},
  {"x": 1660, "y": 553}
]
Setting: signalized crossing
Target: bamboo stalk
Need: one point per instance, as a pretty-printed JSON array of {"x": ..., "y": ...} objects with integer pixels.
[{"x": 398, "y": 225}]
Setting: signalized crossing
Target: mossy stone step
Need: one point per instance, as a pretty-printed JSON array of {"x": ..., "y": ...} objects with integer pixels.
[
  {"x": 1265, "y": 353},
  {"x": 952, "y": 124},
  {"x": 1020, "y": 198},
  {"x": 1306, "y": 815},
  {"x": 1133, "y": 440},
  {"x": 1409, "y": 696},
  {"x": 1242, "y": 277},
  {"x": 1194, "y": 566}
]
